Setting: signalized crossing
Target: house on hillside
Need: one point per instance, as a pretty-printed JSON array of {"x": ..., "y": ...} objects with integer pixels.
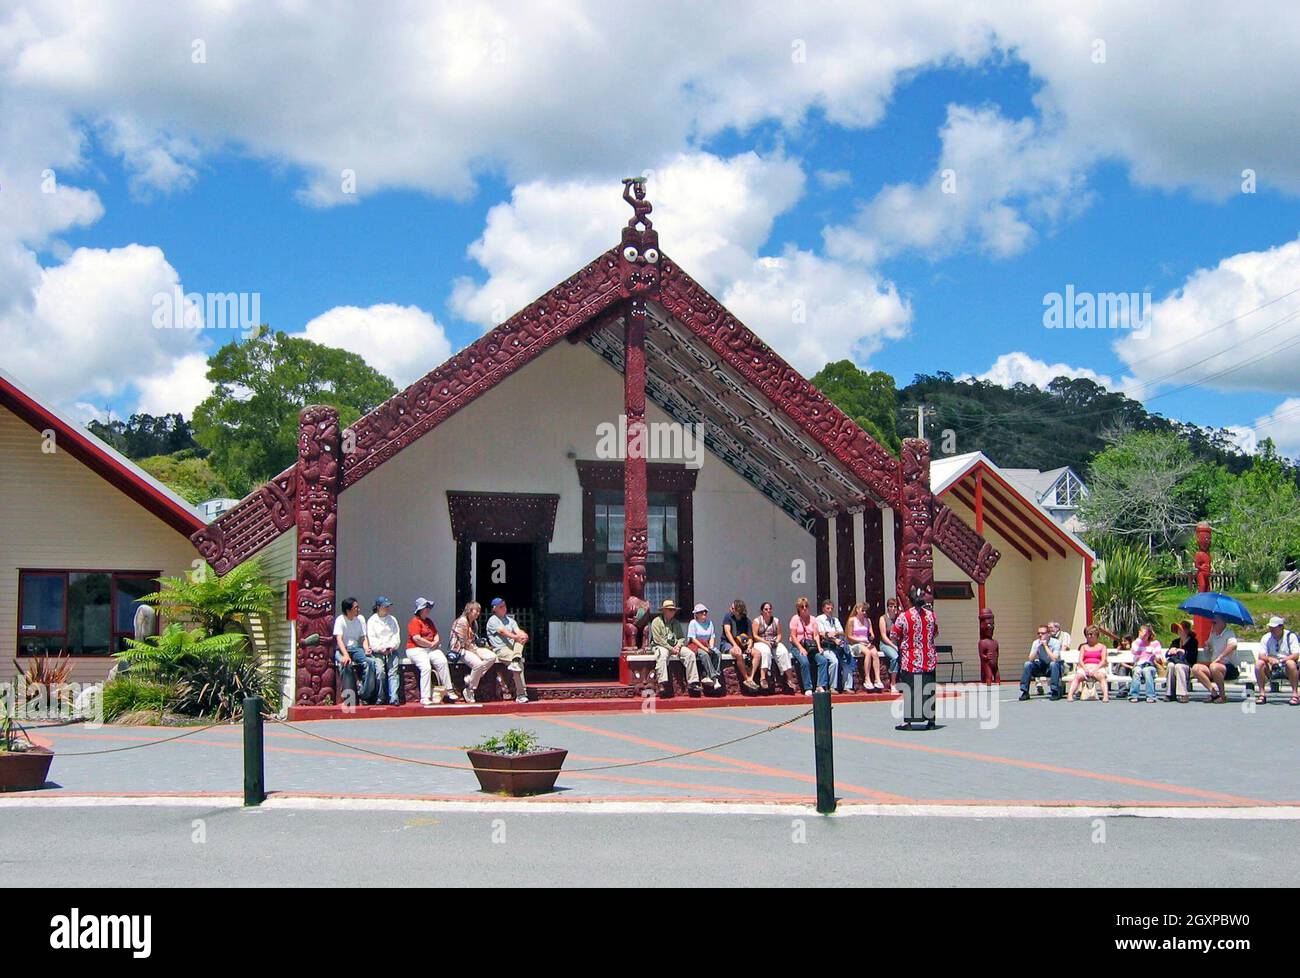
[
  {"x": 84, "y": 532},
  {"x": 623, "y": 439},
  {"x": 1058, "y": 491}
]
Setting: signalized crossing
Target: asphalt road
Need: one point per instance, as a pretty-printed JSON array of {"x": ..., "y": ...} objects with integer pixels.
[{"x": 186, "y": 846}]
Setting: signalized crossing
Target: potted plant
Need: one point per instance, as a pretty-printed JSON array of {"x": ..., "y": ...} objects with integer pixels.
[
  {"x": 515, "y": 764},
  {"x": 23, "y": 765}
]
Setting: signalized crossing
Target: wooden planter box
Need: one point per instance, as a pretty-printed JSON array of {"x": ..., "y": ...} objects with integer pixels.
[
  {"x": 517, "y": 775},
  {"x": 24, "y": 770}
]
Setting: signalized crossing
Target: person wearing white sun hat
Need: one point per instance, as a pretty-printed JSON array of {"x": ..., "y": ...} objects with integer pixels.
[
  {"x": 702, "y": 641},
  {"x": 1280, "y": 649}
]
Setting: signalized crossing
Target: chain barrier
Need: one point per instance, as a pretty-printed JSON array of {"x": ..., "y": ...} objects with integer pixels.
[{"x": 580, "y": 770}]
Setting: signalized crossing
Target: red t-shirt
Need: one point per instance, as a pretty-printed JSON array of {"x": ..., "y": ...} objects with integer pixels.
[{"x": 420, "y": 626}]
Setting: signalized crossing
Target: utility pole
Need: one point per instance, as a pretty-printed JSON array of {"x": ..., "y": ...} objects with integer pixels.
[{"x": 921, "y": 411}]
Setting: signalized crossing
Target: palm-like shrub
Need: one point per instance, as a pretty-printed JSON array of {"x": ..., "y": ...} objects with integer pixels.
[
  {"x": 209, "y": 674},
  {"x": 216, "y": 604},
  {"x": 1126, "y": 593}
]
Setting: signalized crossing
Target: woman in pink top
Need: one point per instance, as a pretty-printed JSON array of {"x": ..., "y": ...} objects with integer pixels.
[
  {"x": 861, "y": 636},
  {"x": 1146, "y": 650},
  {"x": 1092, "y": 665}
]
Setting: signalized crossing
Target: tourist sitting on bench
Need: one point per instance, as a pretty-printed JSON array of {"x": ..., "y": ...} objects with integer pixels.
[
  {"x": 1044, "y": 660},
  {"x": 423, "y": 648},
  {"x": 1281, "y": 650},
  {"x": 835, "y": 642},
  {"x": 467, "y": 649},
  {"x": 506, "y": 639},
  {"x": 1220, "y": 666},
  {"x": 772, "y": 653},
  {"x": 1092, "y": 665},
  {"x": 1145, "y": 652},
  {"x": 385, "y": 638},
  {"x": 1180, "y": 659},
  {"x": 668, "y": 638},
  {"x": 886, "y": 627},
  {"x": 864, "y": 640},
  {"x": 738, "y": 640},
  {"x": 805, "y": 641},
  {"x": 352, "y": 652},
  {"x": 702, "y": 642}
]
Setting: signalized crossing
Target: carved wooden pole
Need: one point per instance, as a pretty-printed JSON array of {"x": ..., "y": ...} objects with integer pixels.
[
  {"x": 638, "y": 282},
  {"x": 916, "y": 558},
  {"x": 635, "y": 500},
  {"x": 1204, "y": 564},
  {"x": 319, "y": 467}
]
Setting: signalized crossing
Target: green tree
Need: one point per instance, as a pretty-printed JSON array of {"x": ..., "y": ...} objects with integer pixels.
[
  {"x": 1136, "y": 489},
  {"x": 869, "y": 398},
  {"x": 249, "y": 423},
  {"x": 189, "y": 476},
  {"x": 1259, "y": 521}
]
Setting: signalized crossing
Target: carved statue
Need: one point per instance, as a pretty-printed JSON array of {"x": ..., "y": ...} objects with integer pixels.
[
  {"x": 641, "y": 208},
  {"x": 1203, "y": 565},
  {"x": 988, "y": 649}
]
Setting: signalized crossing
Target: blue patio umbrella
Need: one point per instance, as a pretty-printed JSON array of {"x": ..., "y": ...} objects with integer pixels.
[{"x": 1211, "y": 603}]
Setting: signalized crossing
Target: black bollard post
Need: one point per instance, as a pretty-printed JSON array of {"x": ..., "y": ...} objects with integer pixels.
[
  {"x": 254, "y": 760},
  {"x": 824, "y": 752}
]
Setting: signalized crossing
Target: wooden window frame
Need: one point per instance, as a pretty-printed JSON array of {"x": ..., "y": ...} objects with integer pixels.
[{"x": 66, "y": 573}]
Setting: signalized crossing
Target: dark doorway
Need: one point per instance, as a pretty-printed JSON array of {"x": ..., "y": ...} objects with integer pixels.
[{"x": 508, "y": 570}]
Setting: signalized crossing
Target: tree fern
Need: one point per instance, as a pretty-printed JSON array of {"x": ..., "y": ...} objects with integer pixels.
[{"x": 215, "y": 603}]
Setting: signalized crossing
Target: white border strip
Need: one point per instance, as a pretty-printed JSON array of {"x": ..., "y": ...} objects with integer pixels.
[{"x": 292, "y": 803}]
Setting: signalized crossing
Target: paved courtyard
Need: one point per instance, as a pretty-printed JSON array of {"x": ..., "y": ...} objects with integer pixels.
[{"x": 1034, "y": 753}]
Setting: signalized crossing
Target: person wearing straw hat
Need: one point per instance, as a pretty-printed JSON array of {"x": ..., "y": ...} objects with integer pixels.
[
  {"x": 668, "y": 638},
  {"x": 1281, "y": 650}
]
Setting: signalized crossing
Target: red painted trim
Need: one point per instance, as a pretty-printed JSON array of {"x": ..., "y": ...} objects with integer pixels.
[
  {"x": 959, "y": 492},
  {"x": 1087, "y": 587},
  {"x": 1038, "y": 513},
  {"x": 1013, "y": 512},
  {"x": 979, "y": 527},
  {"x": 113, "y": 470},
  {"x": 564, "y": 310}
]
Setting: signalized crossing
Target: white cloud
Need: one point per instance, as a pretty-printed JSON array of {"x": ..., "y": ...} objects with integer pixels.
[
  {"x": 1020, "y": 368},
  {"x": 87, "y": 328},
  {"x": 997, "y": 180},
  {"x": 401, "y": 342},
  {"x": 177, "y": 389},
  {"x": 713, "y": 216},
  {"x": 1282, "y": 424},
  {"x": 813, "y": 310},
  {"x": 1231, "y": 327}
]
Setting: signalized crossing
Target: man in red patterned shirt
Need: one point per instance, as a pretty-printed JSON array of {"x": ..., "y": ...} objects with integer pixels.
[{"x": 915, "y": 631}]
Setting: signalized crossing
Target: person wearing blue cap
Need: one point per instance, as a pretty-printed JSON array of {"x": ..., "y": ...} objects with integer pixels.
[
  {"x": 506, "y": 639},
  {"x": 385, "y": 636}
]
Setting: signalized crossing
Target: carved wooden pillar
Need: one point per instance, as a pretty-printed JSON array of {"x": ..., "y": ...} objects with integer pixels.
[
  {"x": 873, "y": 561},
  {"x": 846, "y": 564},
  {"x": 635, "y": 499},
  {"x": 638, "y": 275},
  {"x": 319, "y": 466},
  {"x": 822, "y": 558},
  {"x": 916, "y": 510}
]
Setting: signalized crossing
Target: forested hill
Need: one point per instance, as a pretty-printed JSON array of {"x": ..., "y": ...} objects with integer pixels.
[{"x": 1025, "y": 427}]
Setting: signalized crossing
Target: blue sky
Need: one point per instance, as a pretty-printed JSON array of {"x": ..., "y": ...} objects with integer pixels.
[{"x": 817, "y": 180}]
